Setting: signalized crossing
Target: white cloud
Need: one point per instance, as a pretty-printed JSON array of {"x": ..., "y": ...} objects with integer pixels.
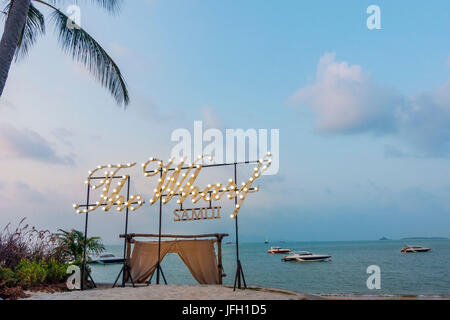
[
  {"x": 29, "y": 144},
  {"x": 346, "y": 100},
  {"x": 425, "y": 121},
  {"x": 63, "y": 135},
  {"x": 44, "y": 208},
  {"x": 211, "y": 119},
  {"x": 120, "y": 50}
]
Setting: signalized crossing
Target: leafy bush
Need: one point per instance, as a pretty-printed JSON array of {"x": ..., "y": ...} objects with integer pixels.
[
  {"x": 56, "y": 272},
  {"x": 7, "y": 278},
  {"x": 30, "y": 273},
  {"x": 30, "y": 258}
]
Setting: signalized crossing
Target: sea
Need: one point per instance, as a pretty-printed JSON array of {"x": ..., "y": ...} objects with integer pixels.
[{"x": 411, "y": 274}]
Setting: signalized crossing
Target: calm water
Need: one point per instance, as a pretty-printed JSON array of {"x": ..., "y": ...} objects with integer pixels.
[{"x": 415, "y": 274}]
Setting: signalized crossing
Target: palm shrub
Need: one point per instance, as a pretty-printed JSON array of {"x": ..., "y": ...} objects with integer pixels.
[{"x": 72, "y": 245}]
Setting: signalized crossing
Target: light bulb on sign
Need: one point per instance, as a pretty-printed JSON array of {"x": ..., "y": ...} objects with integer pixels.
[{"x": 185, "y": 182}]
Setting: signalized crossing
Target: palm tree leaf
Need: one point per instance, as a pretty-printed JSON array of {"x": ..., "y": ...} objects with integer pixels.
[
  {"x": 6, "y": 4},
  {"x": 73, "y": 244},
  {"x": 111, "y": 6},
  {"x": 88, "y": 51},
  {"x": 34, "y": 27}
]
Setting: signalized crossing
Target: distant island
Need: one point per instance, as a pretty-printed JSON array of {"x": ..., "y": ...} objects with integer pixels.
[
  {"x": 416, "y": 238},
  {"x": 425, "y": 238}
]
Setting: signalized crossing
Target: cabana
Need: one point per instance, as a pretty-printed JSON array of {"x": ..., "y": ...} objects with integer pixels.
[{"x": 196, "y": 251}]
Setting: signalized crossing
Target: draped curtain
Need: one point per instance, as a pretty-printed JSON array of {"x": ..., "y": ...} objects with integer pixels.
[{"x": 198, "y": 255}]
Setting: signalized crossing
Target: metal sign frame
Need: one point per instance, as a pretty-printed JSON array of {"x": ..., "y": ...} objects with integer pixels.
[{"x": 239, "y": 279}]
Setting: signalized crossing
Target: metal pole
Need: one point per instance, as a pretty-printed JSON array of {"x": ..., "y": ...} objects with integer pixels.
[
  {"x": 236, "y": 218},
  {"x": 83, "y": 264},
  {"x": 238, "y": 262},
  {"x": 125, "y": 262},
  {"x": 159, "y": 236},
  {"x": 219, "y": 259}
]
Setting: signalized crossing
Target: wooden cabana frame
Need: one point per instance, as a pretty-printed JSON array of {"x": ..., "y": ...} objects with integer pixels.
[{"x": 130, "y": 239}]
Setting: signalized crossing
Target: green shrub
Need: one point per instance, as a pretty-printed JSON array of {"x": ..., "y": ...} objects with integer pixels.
[
  {"x": 30, "y": 273},
  {"x": 7, "y": 278},
  {"x": 33, "y": 273},
  {"x": 56, "y": 272}
]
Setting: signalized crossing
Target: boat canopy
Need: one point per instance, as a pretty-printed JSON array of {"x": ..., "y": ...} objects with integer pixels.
[{"x": 304, "y": 253}]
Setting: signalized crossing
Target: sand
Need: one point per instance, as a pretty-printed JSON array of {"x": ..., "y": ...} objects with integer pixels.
[
  {"x": 209, "y": 292},
  {"x": 175, "y": 292}
]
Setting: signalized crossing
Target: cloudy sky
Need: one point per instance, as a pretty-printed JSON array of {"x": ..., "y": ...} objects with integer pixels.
[{"x": 364, "y": 115}]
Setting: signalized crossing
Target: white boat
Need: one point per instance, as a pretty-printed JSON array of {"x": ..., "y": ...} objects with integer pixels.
[
  {"x": 107, "y": 258},
  {"x": 410, "y": 249},
  {"x": 275, "y": 250},
  {"x": 305, "y": 256}
]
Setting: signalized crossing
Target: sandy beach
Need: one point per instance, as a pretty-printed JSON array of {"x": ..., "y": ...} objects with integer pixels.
[
  {"x": 206, "y": 292},
  {"x": 175, "y": 292}
]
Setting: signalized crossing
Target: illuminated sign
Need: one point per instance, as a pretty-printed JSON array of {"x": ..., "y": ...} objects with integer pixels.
[{"x": 174, "y": 181}]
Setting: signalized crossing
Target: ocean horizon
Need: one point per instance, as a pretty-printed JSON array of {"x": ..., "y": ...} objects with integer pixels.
[{"x": 417, "y": 274}]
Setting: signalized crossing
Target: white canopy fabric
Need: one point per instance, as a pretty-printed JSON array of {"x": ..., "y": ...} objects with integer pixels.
[{"x": 198, "y": 255}]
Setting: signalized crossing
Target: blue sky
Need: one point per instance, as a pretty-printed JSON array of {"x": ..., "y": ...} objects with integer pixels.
[{"x": 364, "y": 115}]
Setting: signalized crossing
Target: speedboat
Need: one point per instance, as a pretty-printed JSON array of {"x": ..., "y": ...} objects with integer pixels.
[
  {"x": 409, "y": 249},
  {"x": 108, "y": 258},
  {"x": 304, "y": 256},
  {"x": 275, "y": 250}
]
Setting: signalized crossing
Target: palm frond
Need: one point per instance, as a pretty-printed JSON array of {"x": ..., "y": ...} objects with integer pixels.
[
  {"x": 73, "y": 244},
  {"x": 112, "y": 6},
  {"x": 34, "y": 27},
  {"x": 5, "y": 4},
  {"x": 87, "y": 50}
]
